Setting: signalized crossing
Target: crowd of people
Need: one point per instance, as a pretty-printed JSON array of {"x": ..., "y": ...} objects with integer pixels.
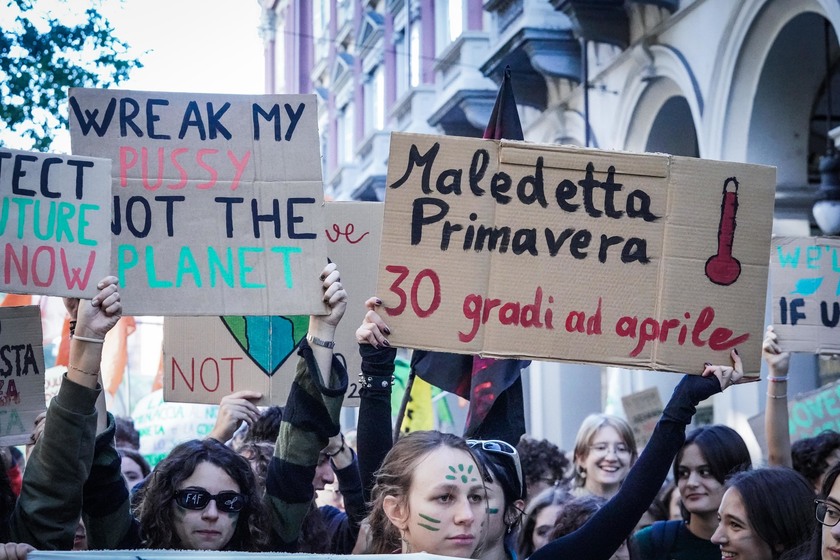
[{"x": 288, "y": 480}]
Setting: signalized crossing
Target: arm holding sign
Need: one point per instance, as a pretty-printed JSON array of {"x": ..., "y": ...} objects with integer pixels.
[
  {"x": 374, "y": 431},
  {"x": 47, "y": 512},
  {"x": 601, "y": 536},
  {"x": 310, "y": 419},
  {"x": 776, "y": 411}
]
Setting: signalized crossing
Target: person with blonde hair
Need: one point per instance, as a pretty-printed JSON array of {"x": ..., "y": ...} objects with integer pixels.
[{"x": 605, "y": 449}]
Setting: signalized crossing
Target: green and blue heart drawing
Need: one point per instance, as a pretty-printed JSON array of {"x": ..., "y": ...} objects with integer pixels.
[{"x": 268, "y": 340}]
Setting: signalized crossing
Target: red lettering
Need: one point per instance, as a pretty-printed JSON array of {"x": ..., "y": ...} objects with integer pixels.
[
  {"x": 707, "y": 316},
  {"x": 720, "y": 339},
  {"x": 182, "y": 173},
  {"x": 126, "y": 163},
  {"x": 217, "y": 373},
  {"x": 415, "y": 288},
  {"x": 190, "y": 383},
  {"x": 401, "y": 273},
  {"x": 199, "y": 159},
  {"x": 144, "y": 167},
  {"x": 239, "y": 166}
]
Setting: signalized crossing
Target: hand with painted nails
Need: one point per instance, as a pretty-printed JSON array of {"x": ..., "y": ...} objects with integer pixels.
[
  {"x": 334, "y": 295},
  {"x": 727, "y": 375},
  {"x": 777, "y": 360},
  {"x": 373, "y": 329}
]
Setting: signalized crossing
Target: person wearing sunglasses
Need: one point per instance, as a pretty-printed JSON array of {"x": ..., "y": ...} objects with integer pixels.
[
  {"x": 613, "y": 523},
  {"x": 505, "y": 491},
  {"x": 766, "y": 514}
]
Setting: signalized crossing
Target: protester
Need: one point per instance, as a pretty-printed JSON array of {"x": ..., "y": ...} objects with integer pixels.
[
  {"x": 505, "y": 490},
  {"x": 133, "y": 466},
  {"x": 766, "y": 514},
  {"x": 575, "y": 514},
  {"x": 776, "y": 430},
  {"x": 813, "y": 457},
  {"x": 605, "y": 449},
  {"x": 47, "y": 513},
  {"x": 826, "y": 542},
  {"x": 411, "y": 502},
  {"x": 709, "y": 456},
  {"x": 540, "y": 517},
  {"x": 127, "y": 436},
  {"x": 543, "y": 465},
  {"x": 203, "y": 495}
]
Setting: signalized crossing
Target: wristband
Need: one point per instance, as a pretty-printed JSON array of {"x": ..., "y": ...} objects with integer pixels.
[
  {"x": 89, "y": 339},
  {"x": 80, "y": 370},
  {"x": 781, "y": 379},
  {"x": 776, "y": 396},
  {"x": 375, "y": 381},
  {"x": 320, "y": 342},
  {"x": 339, "y": 450}
]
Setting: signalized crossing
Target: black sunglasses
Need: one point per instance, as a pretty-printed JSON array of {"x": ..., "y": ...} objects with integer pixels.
[
  {"x": 198, "y": 498},
  {"x": 502, "y": 448}
]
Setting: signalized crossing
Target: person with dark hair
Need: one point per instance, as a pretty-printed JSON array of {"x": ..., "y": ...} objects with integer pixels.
[
  {"x": 133, "y": 466},
  {"x": 575, "y": 514},
  {"x": 404, "y": 494},
  {"x": 127, "y": 435},
  {"x": 710, "y": 455},
  {"x": 540, "y": 516},
  {"x": 505, "y": 489},
  {"x": 814, "y": 456},
  {"x": 826, "y": 541},
  {"x": 766, "y": 514},
  {"x": 216, "y": 502},
  {"x": 267, "y": 426},
  {"x": 543, "y": 464}
]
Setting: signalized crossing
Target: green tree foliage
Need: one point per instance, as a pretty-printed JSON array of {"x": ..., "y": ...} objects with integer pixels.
[{"x": 41, "y": 57}]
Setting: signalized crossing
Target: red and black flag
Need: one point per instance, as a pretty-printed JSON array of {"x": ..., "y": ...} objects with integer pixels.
[{"x": 493, "y": 387}]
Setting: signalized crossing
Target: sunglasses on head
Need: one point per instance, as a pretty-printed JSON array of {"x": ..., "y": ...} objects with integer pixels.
[
  {"x": 198, "y": 498},
  {"x": 502, "y": 448}
]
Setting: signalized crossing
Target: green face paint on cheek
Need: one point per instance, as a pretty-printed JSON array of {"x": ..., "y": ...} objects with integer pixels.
[
  {"x": 430, "y": 520},
  {"x": 491, "y": 511},
  {"x": 463, "y": 473}
]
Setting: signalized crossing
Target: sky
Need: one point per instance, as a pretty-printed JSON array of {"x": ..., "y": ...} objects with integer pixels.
[{"x": 202, "y": 46}]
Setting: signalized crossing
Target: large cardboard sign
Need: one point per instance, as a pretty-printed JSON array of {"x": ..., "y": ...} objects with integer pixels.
[
  {"x": 55, "y": 215},
  {"x": 207, "y": 358},
  {"x": 510, "y": 249},
  {"x": 216, "y": 198},
  {"x": 805, "y": 279},
  {"x": 21, "y": 372},
  {"x": 643, "y": 410}
]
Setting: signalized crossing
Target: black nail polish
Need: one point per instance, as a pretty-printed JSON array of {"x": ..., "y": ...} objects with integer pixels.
[{"x": 387, "y": 330}]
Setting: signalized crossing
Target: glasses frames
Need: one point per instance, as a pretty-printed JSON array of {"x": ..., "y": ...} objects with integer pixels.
[
  {"x": 827, "y": 514},
  {"x": 502, "y": 448},
  {"x": 604, "y": 448},
  {"x": 199, "y": 498}
]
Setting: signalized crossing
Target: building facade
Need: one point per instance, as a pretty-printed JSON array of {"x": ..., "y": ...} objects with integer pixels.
[{"x": 743, "y": 80}]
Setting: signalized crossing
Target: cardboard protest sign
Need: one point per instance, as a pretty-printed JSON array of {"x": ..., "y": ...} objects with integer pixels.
[
  {"x": 643, "y": 410},
  {"x": 510, "y": 249},
  {"x": 216, "y": 198},
  {"x": 207, "y": 358},
  {"x": 55, "y": 218},
  {"x": 809, "y": 414},
  {"x": 164, "y": 425},
  {"x": 805, "y": 279},
  {"x": 21, "y": 372}
]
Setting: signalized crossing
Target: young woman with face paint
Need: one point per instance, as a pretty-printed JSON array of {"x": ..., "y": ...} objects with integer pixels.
[
  {"x": 611, "y": 525},
  {"x": 766, "y": 514}
]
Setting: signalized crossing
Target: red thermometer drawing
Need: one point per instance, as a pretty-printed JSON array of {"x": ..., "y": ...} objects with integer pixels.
[{"x": 723, "y": 268}]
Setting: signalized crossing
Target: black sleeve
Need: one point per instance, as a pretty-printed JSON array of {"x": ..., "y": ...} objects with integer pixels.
[
  {"x": 374, "y": 434},
  {"x": 601, "y": 536}
]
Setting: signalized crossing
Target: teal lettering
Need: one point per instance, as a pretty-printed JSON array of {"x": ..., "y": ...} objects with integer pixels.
[
  {"x": 65, "y": 212},
  {"x": 244, "y": 269},
  {"x": 151, "y": 274},
  {"x": 831, "y": 406},
  {"x": 835, "y": 264},
  {"x": 187, "y": 265},
  {"x": 84, "y": 223},
  {"x": 812, "y": 256},
  {"x": 22, "y": 203},
  {"x": 287, "y": 267},
  {"x": 44, "y": 235},
  {"x": 788, "y": 259},
  {"x": 214, "y": 262},
  {"x": 124, "y": 263}
]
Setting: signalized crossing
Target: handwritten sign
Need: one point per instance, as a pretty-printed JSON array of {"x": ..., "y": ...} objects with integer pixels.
[
  {"x": 805, "y": 273},
  {"x": 207, "y": 358},
  {"x": 216, "y": 198},
  {"x": 21, "y": 372},
  {"x": 54, "y": 216},
  {"x": 643, "y": 410},
  {"x": 809, "y": 414},
  {"x": 510, "y": 249}
]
